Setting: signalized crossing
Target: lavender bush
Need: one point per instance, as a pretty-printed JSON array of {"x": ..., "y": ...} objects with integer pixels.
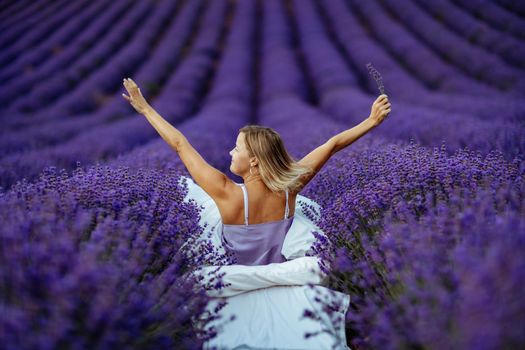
[
  {"x": 423, "y": 214},
  {"x": 377, "y": 77},
  {"x": 95, "y": 262},
  {"x": 421, "y": 234}
]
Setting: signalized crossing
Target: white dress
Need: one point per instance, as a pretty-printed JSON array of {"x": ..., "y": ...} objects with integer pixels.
[{"x": 268, "y": 301}]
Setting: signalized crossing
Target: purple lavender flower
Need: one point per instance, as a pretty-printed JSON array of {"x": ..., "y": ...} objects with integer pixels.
[{"x": 377, "y": 77}]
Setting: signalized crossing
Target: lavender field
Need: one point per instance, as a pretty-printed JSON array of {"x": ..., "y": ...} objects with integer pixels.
[{"x": 425, "y": 214}]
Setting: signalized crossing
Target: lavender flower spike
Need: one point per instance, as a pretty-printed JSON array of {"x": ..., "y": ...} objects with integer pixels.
[{"x": 377, "y": 77}]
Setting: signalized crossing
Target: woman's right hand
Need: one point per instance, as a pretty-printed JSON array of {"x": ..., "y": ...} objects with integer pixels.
[
  {"x": 135, "y": 97},
  {"x": 380, "y": 109}
]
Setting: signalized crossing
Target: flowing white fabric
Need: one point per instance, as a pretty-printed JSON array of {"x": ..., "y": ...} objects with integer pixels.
[
  {"x": 268, "y": 301},
  {"x": 242, "y": 278},
  {"x": 272, "y": 318}
]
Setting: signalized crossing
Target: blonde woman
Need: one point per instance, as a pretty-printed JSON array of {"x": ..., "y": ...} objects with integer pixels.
[{"x": 259, "y": 224}]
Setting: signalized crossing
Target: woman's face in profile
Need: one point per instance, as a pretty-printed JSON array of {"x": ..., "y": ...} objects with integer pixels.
[{"x": 240, "y": 158}]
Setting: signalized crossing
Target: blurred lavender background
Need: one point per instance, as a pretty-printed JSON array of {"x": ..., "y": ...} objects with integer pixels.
[{"x": 425, "y": 214}]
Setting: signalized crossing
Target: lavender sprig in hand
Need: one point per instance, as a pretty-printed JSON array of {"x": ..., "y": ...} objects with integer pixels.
[{"x": 377, "y": 77}]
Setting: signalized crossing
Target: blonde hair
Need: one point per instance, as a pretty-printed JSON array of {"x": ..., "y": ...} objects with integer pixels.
[{"x": 278, "y": 170}]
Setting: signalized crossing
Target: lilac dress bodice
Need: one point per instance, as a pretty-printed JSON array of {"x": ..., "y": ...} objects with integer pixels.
[{"x": 256, "y": 244}]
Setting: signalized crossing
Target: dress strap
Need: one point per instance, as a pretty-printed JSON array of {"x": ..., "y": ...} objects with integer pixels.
[
  {"x": 286, "y": 211},
  {"x": 245, "y": 193}
]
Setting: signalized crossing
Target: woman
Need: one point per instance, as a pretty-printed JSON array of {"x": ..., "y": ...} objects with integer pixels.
[
  {"x": 256, "y": 160},
  {"x": 269, "y": 250}
]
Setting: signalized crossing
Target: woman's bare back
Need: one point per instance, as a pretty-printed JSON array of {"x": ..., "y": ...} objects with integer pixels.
[{"x": 263, "y": 206}]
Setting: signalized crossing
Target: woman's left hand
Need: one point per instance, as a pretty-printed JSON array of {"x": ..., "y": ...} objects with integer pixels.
[
  {"x": 380, "y": 109},
  {"x": 135, "y": 96}
]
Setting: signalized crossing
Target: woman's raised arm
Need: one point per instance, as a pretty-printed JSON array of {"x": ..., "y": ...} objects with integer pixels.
[
  {"x": 169, "y": 133},
  {"x": 319, "y": 156},
  {"x": 379, "y": 111},
  {"x": 212, "y": 181}
]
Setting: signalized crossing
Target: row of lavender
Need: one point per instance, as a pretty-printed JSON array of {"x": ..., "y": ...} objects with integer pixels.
[
  {"x": 93, "y": 69},
  {"x": 61, "y": 37},
  {"x": 382, "y": 194},
  {"x": 118, "y": 233},
  {"x": 391, "y": 205},
  {"x": 412, "y": 231},
  {"x": 463, "y": 24},
  {"x": 92, "y": 137},
  {"x": 340, "y": 97},
  {"x": 474, "y": 61},
  {"x": 470, "y": 88},
  {"x": 338, "y": 75}
]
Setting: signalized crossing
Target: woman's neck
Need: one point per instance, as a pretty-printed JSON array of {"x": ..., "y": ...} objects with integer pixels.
[{"x": 253, "y": 178}]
